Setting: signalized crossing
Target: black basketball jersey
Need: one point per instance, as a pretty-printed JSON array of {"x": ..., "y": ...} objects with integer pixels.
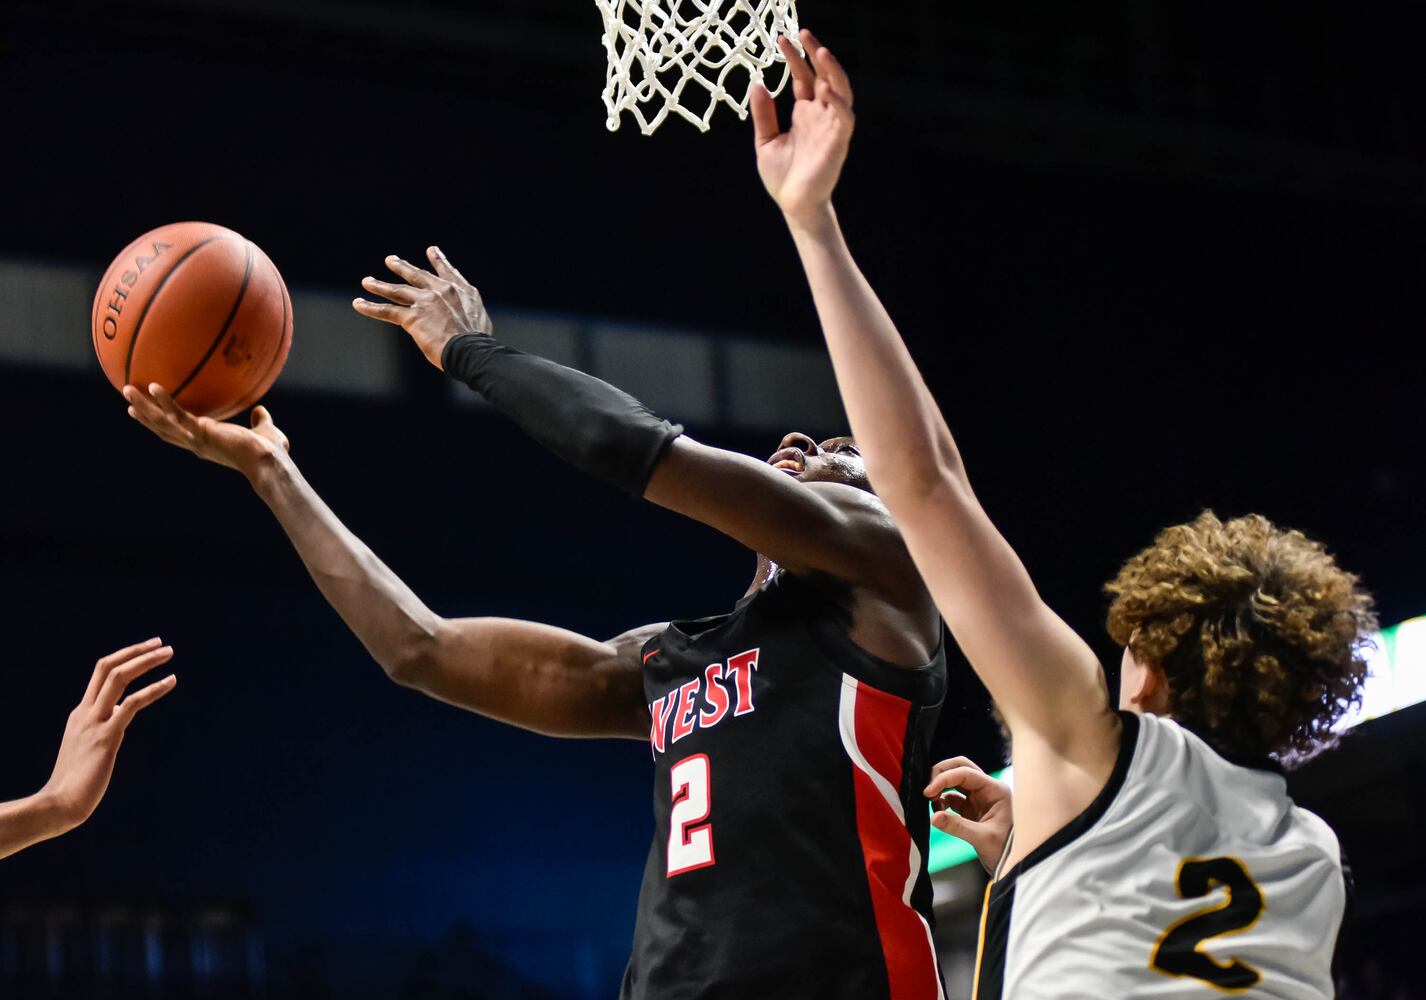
[{"x": 790, "y": 830}]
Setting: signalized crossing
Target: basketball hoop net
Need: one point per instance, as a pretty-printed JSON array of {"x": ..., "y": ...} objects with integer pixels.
[{"x": 656, "y": 48}]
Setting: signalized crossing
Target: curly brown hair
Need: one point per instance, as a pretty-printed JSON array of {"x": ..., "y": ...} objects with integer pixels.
[{"x": 1258, "y": 631}]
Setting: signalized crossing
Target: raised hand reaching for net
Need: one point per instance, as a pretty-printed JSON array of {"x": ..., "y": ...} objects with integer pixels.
[{"x": 800, "y": 167}]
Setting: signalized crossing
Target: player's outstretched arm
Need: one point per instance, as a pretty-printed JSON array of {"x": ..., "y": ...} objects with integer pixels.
[
  {"x": 91, "y": 741},
  {"x": 827, "y": 527},
  {"x": 534, "y": 676},
  {"x": 1044, "y": 678}
]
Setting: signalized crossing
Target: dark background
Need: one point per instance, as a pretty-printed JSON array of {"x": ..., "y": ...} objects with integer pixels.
[{"x": 1153, "y": 258}]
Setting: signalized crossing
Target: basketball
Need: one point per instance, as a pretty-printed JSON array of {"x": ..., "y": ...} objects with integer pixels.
[{"x": 198, "y": 309}]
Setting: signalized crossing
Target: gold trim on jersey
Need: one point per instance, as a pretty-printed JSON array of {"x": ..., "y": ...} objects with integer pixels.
[{"x": 980, "y": 943}]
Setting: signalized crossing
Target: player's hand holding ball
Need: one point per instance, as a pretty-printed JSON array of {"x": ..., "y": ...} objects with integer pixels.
[
  {"x": 193, "y": 323},
  {"x": 973, "y": 806},
  {"x": 800, "y": 167},
  {"x": 233, "y": 445},
  {"x": 432, "y": 307}
]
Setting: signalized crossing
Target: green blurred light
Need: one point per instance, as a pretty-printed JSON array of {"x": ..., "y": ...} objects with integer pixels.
[{"x": 1396, "y": 657}]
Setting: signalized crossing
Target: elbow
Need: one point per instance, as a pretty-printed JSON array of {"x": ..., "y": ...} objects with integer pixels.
[{"x": 416, "y": 658}]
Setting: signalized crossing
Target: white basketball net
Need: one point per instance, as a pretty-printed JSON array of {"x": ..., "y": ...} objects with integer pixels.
[{"x": 657, "y": 48}]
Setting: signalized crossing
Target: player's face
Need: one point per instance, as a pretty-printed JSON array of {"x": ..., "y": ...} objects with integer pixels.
[{"x": 836, "y": 460}]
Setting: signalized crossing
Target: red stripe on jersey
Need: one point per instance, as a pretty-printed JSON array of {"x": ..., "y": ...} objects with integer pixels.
[
  {"x": 651, "y": 654},
  {"x": 877, "y": 722}
]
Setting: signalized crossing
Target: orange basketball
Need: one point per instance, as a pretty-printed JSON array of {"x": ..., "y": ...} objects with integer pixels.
[{"x": 197, "y": 309}]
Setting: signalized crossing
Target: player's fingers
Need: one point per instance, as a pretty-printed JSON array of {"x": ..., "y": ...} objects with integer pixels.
[
  {"x": 942, "y": 781},
  {"x": 951, "y": 800},
  {"x": 122, "y": 676},
  {"x": 956, "y": 826},
  {"x": 971, "y": 807},
  {"x": 970, "y": 779},
  {"x": 169, "y": 406},
  {"x": 144, "y": 406},
  {"x": 764, "y": 109},
  {"x": 162, "y": 428},
  {"x": 946, "y": 765},
  {"x": 104, "y": 664},
  {"x": 829, "y": 68},
  {"x": 803, "y": 79},
  {"x": 443, "y": 266},
  {"x": 826, "y": 95},
  {"x": 125, "y": 711},
  {"x": 810, "y": 45},
  {"x": 380, "y": 310},
  {"x": 412, "y": 274},
  {"x": 403, "y": 294}
]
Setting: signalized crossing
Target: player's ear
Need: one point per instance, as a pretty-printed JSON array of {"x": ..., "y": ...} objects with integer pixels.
[
  {"x": 1142, "y": 684},
  {"x": 1151, "y": 689}
]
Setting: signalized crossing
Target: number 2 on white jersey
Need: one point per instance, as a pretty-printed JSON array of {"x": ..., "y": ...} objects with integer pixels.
[
  {"x": 690, "y": 836},
  {"x": 1179, "y": 951}
]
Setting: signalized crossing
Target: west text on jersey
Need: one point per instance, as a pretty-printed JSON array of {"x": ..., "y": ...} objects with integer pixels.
[{"x": 724, "y": 689}]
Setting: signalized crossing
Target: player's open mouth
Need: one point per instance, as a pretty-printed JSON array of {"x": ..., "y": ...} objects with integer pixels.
[{"x": 790, "y": 460}]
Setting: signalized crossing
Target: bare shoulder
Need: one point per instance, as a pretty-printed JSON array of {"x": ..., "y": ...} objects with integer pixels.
[
  {"x": 630, "y": 644},
  {"x": 621, "y": 675}
]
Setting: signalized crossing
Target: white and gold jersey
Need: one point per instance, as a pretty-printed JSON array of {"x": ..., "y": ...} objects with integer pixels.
[{"x": 1188, "y": 877}]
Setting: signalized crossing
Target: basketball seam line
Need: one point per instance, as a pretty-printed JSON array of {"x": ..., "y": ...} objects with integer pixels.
[
  {"x": 227, "y": 323},
  {"x": 133, "y": 341},
  {"x": 281, "y": 334}
]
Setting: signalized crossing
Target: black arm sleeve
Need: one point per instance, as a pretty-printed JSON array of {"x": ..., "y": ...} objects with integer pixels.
[{"x": 588, "y": 423}]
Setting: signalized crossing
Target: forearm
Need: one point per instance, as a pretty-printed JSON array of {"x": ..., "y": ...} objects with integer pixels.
[
  {"x": 1031, "y": 661},
  {"x": 892, "y": 413},
  {"x": 392, "y": 623},
  {"x": 25, "y": 822},
  {"x": 538, "y": 677},
  {"x": 587, "y": 422}
]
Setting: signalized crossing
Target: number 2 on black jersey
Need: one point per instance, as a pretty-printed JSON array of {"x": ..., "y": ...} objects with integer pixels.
[
  {"x": 690, "y": 836},
  {"x": 1179, "y": 952}
]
